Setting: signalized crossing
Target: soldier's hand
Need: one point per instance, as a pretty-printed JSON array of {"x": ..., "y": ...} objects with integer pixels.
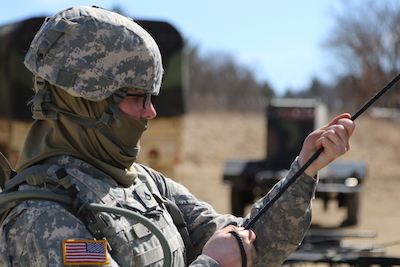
[
  {"x": 224, "y": 248},
  {"x": 333, "y": 137}
]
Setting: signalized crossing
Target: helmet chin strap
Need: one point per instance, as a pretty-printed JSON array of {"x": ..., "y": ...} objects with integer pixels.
[
  {"x": 42, "y": 96},
  {"x": 44, "y": 107}
]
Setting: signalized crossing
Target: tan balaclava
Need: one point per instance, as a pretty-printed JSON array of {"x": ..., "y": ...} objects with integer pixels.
[{"x": 48, "y": 138}]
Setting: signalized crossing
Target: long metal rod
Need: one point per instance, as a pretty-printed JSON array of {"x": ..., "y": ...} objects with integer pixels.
[{"x": 316, "y": 154}]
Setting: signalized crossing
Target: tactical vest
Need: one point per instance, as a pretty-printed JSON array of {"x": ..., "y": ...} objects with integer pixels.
[{"x": 104, "y": 226}]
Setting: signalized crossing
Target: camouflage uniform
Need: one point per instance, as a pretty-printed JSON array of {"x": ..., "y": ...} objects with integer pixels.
[{"x": 32, "y": 233}]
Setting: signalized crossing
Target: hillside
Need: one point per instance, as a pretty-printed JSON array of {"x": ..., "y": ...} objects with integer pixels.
[{"x": 210, "y": 139}]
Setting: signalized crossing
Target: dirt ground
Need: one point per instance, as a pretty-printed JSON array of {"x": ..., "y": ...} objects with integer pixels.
[{"x": 210, "y": 139}]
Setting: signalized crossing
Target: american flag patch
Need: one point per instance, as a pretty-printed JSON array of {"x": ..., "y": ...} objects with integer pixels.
[{"x": 85, "y": 252}]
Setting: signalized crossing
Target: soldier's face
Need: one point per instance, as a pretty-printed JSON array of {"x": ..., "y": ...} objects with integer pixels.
[{"x": 133, "y": 106}]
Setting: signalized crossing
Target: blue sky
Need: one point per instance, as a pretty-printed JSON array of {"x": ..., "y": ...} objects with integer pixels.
[{"x": 280, "y": 40}]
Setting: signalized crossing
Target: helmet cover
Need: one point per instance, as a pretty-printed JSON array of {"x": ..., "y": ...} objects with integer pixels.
[{"x": 92, "y": 52}]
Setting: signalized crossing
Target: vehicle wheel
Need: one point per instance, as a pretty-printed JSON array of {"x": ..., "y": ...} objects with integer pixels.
[
  {"x": 239, "y": 200},
  {"x": 353, "y": 209}
]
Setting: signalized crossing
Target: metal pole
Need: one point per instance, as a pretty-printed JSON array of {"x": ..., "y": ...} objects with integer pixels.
[{"x": 315, "y": 156}]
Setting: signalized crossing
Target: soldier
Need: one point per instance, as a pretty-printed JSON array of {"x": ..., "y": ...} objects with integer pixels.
[{"x": 95, "y": 72}]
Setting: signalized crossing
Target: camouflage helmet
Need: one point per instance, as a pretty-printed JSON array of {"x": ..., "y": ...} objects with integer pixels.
[{"x": 91, "y": 53}]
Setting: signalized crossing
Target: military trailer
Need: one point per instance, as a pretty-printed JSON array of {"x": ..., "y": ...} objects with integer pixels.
[
  {"x": 289, "y": 121},
  {"x": 161, "y": 144}
]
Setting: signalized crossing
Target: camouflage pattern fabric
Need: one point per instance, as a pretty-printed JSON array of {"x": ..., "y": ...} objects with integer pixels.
[
  {"x": 32, "y": 234},
  {"x": 91, "y": 52}
]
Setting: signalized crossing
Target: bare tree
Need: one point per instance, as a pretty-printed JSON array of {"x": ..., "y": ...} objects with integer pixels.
[{"x": 366, "y": 37}]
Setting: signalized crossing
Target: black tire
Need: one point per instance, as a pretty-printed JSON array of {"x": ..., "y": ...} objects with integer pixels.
[
  {"x": 353, "y": 209},
  {"x": 239, "y": 201}
]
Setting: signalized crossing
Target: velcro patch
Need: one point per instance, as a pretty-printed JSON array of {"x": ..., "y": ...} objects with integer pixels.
[{"x": 85, "y": 252}]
